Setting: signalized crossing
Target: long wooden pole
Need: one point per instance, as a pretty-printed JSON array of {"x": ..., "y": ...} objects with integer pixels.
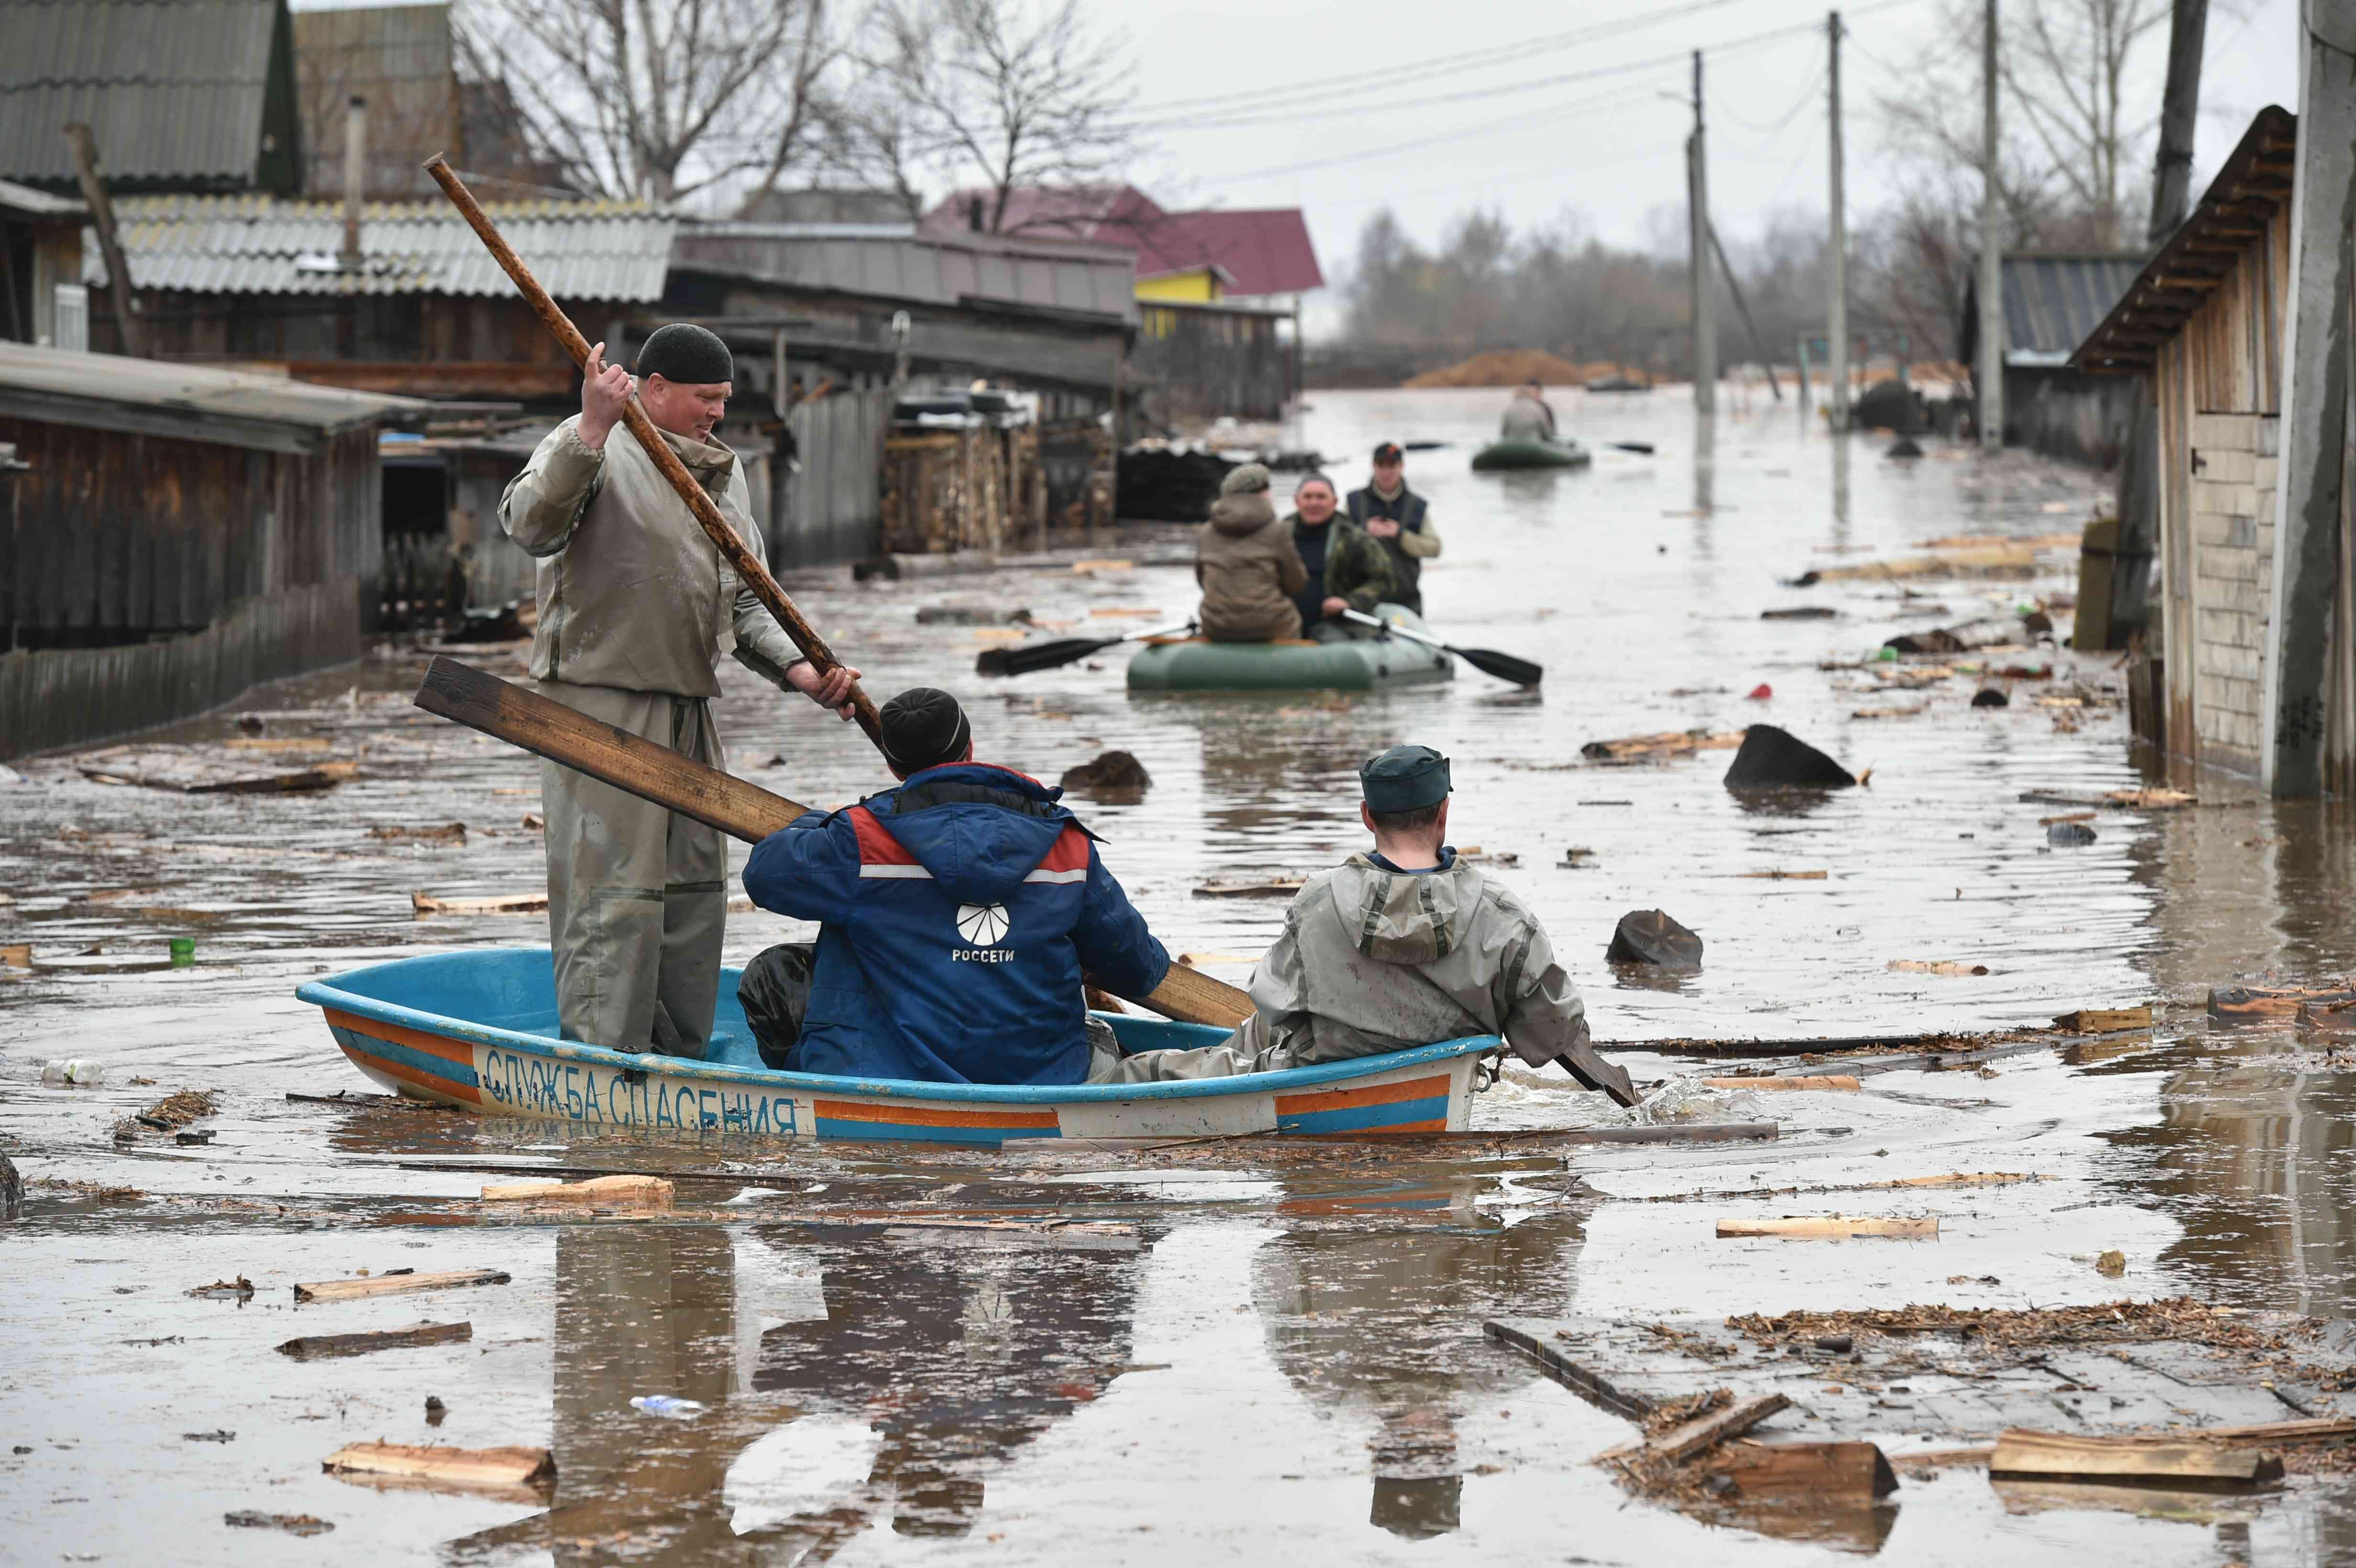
[
  {"x": 549, "y": 728},
  {"x": 754, "y": 575},
  {"x": 1837, "y": 303},
  {"x": 128, "y": 327}
]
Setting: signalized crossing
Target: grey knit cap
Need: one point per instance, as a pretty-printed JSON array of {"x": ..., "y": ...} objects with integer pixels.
[
  {"x": 687, "y": 353},
  {"x": 1251, "y": 477}
]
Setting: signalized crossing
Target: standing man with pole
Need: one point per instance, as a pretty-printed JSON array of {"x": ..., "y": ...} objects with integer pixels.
[
  {"x": 1991, "y": 365},
  {"x": 637, "y": 604},
  {"x": 1836, "y": 305},
  {"x": 1703, "y": 307}
]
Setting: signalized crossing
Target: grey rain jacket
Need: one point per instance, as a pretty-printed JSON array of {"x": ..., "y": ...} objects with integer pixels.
[{"x": 632, "y": 593}]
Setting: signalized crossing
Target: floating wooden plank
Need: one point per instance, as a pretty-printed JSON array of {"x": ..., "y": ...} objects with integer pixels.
[
  {"x": 1666, "y": 744},
  {"x": 1592, "y": 1386},
  {"x": 1833, "y": 1228},
  {"x": 447, "y": 833},
  {"x": 1682, "y": 1443},
  {"x": 1842, "y": 1082},
  {"x": 633, "y": 1192},
  {"x": 321, "y": 1347},
  {"x": 2022, "y": 1455},
  {"x": 1947, "y": 1458},
  {"x": 1936, "y": 966},
  {"x": 1840, "y": 1472},
  {"x": 2262, "y": 1002},
  {"x": 1784, "y": 876},
  {"x": 1268, "y": 888},
  {"x": 464, "y": 1468},
  {"x": 302, "y": 781},
  {"x": 2321, "y": 1429},
  {"x": 397, "y": 1283},
  {"x": 2103, "y": 1020},
  {"x": 425, "y": 904}
]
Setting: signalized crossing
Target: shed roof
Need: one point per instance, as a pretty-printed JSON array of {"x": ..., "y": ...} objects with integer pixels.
[
  {"x": 900, "y": 262},
  {"x": 1265, "y": 251},
  {"x": 264, "y": 245},
  {"x": 2233, "y": 212},
  {"x": 199, "y": 403},
  {"x": 23, "y": 201},
  {"x": 398, "y": 58},
  {"x": 2051, "y": 300},
  {"x": 175, "y": 92}
]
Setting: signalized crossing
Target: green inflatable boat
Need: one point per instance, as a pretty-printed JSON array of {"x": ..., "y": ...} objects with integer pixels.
[
  {"x": 1563, "y": 453},
  {"x": 1373, "y": 663}
]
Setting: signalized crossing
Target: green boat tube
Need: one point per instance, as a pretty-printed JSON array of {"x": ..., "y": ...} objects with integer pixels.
[
  {"x": 1372, "y": 663},
  {"x": 1563, "y": 453}
]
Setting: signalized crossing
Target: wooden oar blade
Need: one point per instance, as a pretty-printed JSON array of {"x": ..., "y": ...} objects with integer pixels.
[
  {"x": 1504, "y": 666},
  {"x": 1594, "y": 1073},
  {"x": 1040, "y": 655}
]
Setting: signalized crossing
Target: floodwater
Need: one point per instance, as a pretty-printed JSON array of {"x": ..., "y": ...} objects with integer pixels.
[{"x": 1284, "y": 1355}]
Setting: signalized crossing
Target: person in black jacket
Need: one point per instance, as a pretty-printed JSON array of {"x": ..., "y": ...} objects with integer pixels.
[{"x": 1400, "y": 521}]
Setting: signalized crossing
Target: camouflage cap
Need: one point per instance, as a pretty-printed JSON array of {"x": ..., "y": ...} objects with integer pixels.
[{"x": 1405, "y": 778}]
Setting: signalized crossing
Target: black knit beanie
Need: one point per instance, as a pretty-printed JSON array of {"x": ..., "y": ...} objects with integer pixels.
[
  {"x": 685, "y": 352},
  {"x": 923, "y": 728}
]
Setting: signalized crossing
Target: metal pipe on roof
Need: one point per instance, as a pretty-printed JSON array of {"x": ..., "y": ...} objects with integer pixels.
[{"x": 355, "y": 178}]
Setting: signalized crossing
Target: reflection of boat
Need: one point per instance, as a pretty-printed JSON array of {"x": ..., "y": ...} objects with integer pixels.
[
  {"x": 1359, "y": 664},
  {"x": 477, "y": 1029},
  {"x": 1563, "y": 452}
]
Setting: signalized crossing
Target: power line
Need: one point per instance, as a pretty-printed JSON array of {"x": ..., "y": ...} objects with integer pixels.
[
  {"x": 1447, "y": 65},
  {"x": 1483, "y": 129}
]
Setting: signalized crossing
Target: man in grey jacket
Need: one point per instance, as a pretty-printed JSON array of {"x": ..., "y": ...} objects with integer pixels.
[
  {"x": 636, "y": 608},
  {"x": 1402, "y": 945}
]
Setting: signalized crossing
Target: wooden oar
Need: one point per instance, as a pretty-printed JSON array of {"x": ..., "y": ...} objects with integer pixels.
[
  {"x": 1488, "y": 661},
  {"x": 465, "y": 694},
  {"x": 1642, "y": 448},
  {"x": 1069, "y": 650},
  {"x": 731, "y": 549}
]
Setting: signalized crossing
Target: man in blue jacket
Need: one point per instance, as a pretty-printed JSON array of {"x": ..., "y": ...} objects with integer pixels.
[{"x": 959, "y": 912}]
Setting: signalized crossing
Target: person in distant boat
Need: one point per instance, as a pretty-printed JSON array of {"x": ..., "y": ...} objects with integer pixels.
[
  {"x": 1344, "y": 569},
  {"x": 1528, "y": 417},
  {"x": 1401, "y": 945},
  {"x": 636, "y": 608},
  {"x": 1246, "y": 566},
  {"x": 958, "y": 913},
  {"x": 1400, "y": 521}
]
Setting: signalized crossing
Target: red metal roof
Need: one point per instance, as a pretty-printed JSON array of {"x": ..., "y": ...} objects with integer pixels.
[{"x": 1263, "y": 251}]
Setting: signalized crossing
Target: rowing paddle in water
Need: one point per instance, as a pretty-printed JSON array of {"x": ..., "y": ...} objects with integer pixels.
[
  {"x": 1488, "y": 661},
  {"x": 1644, "y": 448},
  {"x": 1068, "y": 650}
]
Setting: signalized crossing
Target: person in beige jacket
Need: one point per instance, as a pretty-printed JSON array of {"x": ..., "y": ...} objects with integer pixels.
[
  {"x": 1246, "y": 566},
  {"x": 636, "y": 608}
]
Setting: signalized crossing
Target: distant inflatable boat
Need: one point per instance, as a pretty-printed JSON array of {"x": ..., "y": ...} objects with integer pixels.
[
  {"x": 1373, "y": 663},
  {"x": 1561, "y": 453}
]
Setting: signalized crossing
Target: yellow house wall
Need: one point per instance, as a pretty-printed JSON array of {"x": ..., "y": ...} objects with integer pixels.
[{"x": 1200, "y": 285}]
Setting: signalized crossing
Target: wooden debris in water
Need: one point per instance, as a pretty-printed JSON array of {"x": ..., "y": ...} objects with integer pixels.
[
  {"x": 2103, "y": 1020},
  {"x": 189, "y": 770},
  {"x": 1832, "y": 1081},
  {"x": 1784, "y": 876},
  {"x": 2180, "y": 1317},
  {"x": 2067, "y": 1457},
  {"x": 1936, "y": 966},
  {"x": 292, "y": 1524},
  {"x": 400, "y": 1282},
  {"x": 466, "y": 1468},
  {"x": 634, "y": 1191},
  {"x": 448, "y": 833},
  {"x": 322, "y": 1347},
  {"x": 425, "y": 904},
  {"x": 1903, "y": 1183},
  {"x": 1852, "y": 1472},
  {"x": 1684, "y": 1440},
  {"x": 226, "y": 1289},
  {"x": 1665, "y": 743},
  {"x": 2260, "y": 1002},
  {"x": 1833, "y": 1228}
]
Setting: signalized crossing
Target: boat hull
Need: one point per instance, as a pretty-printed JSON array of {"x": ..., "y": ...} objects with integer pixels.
[
  {"x": 512, "y": 1066},
  {"x": 1504, "y": 454},
  {"x": 1368, "y": 664}
]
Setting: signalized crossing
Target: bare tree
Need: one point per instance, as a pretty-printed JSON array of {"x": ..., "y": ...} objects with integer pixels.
[
  {"x": 658, "y": 99},
  {"x": 979, "y": 93}
]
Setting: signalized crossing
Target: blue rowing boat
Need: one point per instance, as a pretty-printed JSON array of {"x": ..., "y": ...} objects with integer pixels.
[{"x": 477, "y": 1029}]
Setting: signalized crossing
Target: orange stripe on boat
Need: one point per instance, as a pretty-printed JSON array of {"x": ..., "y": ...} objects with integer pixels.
[
  {"x": 1318, "y": 1100},
  {"x": 431, "y": 1044},
  {"x": 409, "y": 1074},
  {"x": 925, "y": 1116}
]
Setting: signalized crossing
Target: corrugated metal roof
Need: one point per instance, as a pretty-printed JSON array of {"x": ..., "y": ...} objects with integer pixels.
[
  {"x": 398, "y": 58},
  {"x": 170, "y": 88},
  {"x": 66, "y": 377},
  {"x": 937, "y": 268},
  {"x": 2051, "y": 301},
  {"x": 264, "y": 245},
  {"x": 1264, "y": 250}
]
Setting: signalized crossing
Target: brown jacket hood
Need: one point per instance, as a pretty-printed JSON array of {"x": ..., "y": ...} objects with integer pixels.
[{"x": 1244, "y": 513}]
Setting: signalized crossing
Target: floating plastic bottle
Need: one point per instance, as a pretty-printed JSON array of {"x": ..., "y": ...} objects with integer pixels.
[
  {"x": 184, "y": 952},
  {"x": 668, "y": 1405},
  {"x": 73, "y": 1073}
]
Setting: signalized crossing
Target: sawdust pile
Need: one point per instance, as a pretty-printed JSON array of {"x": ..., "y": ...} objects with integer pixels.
[{"x": 1503, "y": 368}]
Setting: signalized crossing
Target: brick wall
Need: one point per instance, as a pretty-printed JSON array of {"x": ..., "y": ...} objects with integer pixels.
[{"x": 2234, "y": 462}]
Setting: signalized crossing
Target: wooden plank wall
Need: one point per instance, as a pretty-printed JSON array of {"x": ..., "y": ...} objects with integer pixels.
[
  {"x": 72, "y": 697},
  {"x": 2219, "y": 388},
  {"x": 831, "y": 510},
  {"x": 119, "y": 537}
]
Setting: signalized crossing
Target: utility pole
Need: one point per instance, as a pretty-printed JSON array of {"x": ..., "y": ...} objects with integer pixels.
[
  {"x": 1703, "y": 317},
  {"x": 1837, "y": 306},
  {"x": 1991, "y": 365}
]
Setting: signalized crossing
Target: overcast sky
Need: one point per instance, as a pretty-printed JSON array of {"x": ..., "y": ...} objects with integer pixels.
[{"x": 1609, "y": 146}]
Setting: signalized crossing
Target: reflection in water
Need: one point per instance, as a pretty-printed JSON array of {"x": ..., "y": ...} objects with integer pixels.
[
  {"x": 1382, "y": 1328},
  {"x": 1705, "y": 466},
  {"x": 1840, "y": 446},
  {"x": 1289, "y": 768}
]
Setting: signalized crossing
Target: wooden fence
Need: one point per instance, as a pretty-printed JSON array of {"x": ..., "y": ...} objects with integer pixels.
[{"x": 830, "y": 511}]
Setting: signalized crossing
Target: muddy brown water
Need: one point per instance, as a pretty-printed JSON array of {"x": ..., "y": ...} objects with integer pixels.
[{"x": 1288, "y": 1360}]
